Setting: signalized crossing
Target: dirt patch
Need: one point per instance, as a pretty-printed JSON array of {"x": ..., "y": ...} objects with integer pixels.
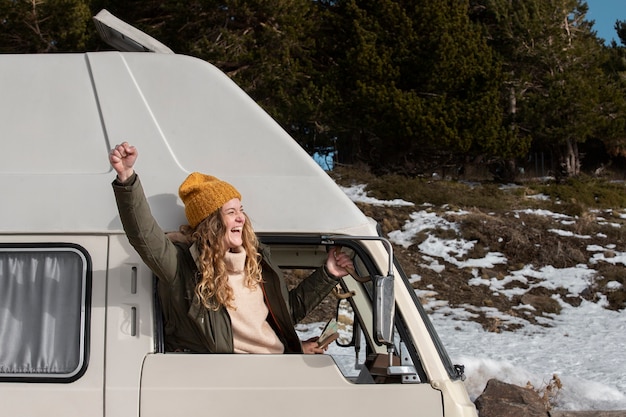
[{"x": 523, "y": 236}]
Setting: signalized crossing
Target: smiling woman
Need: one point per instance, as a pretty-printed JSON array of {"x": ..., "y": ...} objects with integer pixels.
[
  {"x": 234, "y": 220},
  {"x": 218, "y": 287}
]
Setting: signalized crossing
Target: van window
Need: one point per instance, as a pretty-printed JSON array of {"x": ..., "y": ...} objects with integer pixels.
[
  {"x": 43, "y": 312},
  {"x": 357, "y": 356}
]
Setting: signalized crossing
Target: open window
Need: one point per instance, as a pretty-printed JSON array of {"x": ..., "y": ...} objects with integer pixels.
[{"x": 358, "y": 353}]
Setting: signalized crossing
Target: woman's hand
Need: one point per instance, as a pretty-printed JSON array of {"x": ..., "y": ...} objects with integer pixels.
[
  {"x": 310, "y": 346},
  {"x": 338, "y": 264},
  {"x": 122, "y": 158}
]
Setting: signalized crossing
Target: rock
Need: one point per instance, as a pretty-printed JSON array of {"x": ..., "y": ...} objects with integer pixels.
[
  {"x": 500, "y": 399},
  {"x": 544, "y": 304}
]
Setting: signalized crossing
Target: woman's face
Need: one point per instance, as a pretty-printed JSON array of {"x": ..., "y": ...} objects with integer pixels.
[{"x": 234, "y": 219}]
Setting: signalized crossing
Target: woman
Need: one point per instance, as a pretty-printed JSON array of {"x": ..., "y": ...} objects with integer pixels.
[{"x": 219, "y": 290}]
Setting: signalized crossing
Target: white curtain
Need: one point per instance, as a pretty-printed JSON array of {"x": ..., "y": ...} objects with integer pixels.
[{"x": 42, "y": 295}]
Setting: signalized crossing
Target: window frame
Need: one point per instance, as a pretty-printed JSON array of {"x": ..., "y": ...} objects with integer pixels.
[{"x": 85, "y": 311}]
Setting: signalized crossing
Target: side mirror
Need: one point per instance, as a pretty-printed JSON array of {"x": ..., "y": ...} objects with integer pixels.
[
  {"x": 384, "y": 309},
  {"x": 345, "y": 323},
  {"x": 384, "y": 298}
]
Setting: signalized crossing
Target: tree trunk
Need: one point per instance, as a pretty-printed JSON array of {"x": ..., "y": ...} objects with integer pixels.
[{"x": 570, "y": 160}]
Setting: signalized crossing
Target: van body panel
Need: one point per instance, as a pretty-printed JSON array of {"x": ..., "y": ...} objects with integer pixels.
[
  {"x": 45, "y": 110},
  {"x": 85, "y": 395},
  {"x": 276, "y": 385},
  {"x": 130, "y": 326},
  {"x": 183, "y": 115}
]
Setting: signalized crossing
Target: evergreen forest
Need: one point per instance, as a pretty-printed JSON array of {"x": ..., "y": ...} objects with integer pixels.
[{"x": 508, "y": 88}]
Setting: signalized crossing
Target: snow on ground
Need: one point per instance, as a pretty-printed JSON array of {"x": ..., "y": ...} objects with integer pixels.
[{"x": 585, "y": 347}]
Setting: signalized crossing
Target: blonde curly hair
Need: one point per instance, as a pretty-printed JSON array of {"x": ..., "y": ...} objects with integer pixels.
[{"x": 212, "y": 288}]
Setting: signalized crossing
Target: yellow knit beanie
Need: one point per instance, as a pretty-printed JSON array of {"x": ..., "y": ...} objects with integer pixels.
[{"x": 203, "y": 194}]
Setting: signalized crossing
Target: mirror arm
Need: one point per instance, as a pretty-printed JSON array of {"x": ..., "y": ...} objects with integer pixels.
[
  {"x": 331, "y": 240},
  {"x": 400, "y": 370}
]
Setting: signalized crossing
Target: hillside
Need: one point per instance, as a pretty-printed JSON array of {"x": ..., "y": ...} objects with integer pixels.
[{"x": 524, "y": 225}]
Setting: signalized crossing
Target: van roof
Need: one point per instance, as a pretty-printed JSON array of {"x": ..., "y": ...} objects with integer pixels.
[{"x": 62, "y": 113}]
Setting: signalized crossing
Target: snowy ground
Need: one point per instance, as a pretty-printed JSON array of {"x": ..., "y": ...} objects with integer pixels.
[{"x": 585, "y": 347}]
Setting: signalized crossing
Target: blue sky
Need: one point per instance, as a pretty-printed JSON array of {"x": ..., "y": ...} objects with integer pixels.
[{"x": 605, "y": 13}]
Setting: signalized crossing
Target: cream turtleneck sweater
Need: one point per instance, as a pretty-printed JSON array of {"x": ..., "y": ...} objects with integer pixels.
[{"x": 251, "y": 331}]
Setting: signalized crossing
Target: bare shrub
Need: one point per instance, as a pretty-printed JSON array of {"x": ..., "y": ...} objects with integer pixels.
[{"x": 549, "y": 392}]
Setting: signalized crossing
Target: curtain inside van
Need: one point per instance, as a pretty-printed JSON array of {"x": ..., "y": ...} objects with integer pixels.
[{"x": 42, "y": 312}]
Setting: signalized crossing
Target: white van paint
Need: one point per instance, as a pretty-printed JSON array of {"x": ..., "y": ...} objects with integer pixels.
[{"x": 61, "y": 113}]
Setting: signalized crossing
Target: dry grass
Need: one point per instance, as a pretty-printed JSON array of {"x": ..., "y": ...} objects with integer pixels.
[
  {"x": 497, "y": 222},
  {"x": 549, "y": 392}
]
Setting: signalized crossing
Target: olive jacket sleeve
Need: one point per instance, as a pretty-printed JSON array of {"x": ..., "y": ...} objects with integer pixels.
[{"x": 142, "y": 230}]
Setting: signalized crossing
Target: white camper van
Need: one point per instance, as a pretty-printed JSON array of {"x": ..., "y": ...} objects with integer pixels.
[{"x": 81, "y": 332}]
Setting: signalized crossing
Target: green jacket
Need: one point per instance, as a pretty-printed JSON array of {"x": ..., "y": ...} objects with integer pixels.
[{"x": 189, "y": 326}]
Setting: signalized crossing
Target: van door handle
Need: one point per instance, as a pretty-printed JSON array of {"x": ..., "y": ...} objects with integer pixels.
[{"x": 133, "y": 321}]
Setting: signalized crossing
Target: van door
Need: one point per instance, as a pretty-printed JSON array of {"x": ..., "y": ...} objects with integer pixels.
[
  {"x": 271, "y": 385},
  {"x": 346, "y": 380},
  {"x": 52, "y": 317}
]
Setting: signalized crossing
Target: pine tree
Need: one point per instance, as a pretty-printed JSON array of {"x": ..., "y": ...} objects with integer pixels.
[
  {"x": 33, "y": 26},
  {"x": 558, "y": 93},
  {"x": 417, "y": 86}
]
